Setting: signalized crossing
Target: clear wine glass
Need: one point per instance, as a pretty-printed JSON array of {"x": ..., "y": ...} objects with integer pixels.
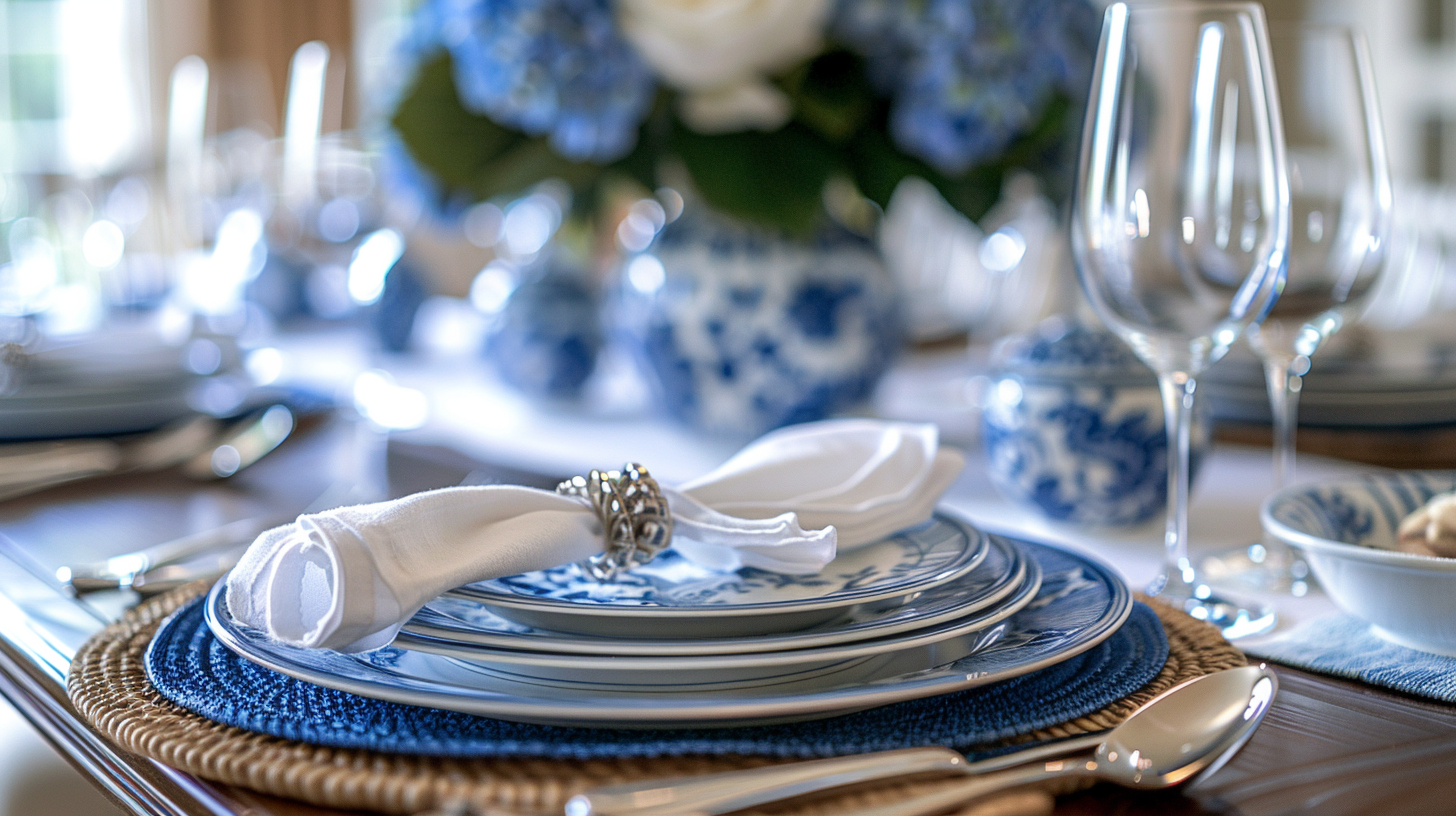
[
  {"x": 1181, "y": 221},
  {"x": 1340, "y": 201}
]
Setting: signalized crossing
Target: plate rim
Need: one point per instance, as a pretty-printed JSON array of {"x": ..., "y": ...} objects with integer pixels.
[
  {"x": 969, "y": 623},
  {"x": 651, "y": 711}
]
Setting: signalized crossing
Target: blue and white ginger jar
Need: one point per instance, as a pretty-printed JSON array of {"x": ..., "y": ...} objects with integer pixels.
[
  {"x": 547, "y": 336},
  {"x": 745, "y": 330},
  {"x": 1073, "y": 427}
]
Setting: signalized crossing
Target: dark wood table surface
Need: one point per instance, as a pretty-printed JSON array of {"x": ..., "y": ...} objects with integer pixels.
[{"x": 1327, "y": 746}]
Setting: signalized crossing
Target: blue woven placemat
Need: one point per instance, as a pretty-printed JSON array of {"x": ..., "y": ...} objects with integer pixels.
[
  {"x": 1344, "y": 646},
  {"x": 191, "y": 668}
]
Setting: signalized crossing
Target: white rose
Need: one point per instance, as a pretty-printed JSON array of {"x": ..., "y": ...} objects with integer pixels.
[{"x": 718, "y": 52}]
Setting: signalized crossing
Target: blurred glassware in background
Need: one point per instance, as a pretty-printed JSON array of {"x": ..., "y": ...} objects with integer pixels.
[
  {"x": 1420, "y": 284},
  {"x": 1340, "y": 196},
  {"x": 1395, "y": 366}
]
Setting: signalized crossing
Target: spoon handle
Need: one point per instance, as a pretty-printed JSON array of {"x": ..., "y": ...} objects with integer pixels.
[
  {"x": 976, "y": 787},
  {"x": 736, "y": 790}
]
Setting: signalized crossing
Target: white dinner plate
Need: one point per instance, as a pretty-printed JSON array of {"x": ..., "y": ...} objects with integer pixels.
[
  {"x": 670, "y": 597},
  {"x": 463, "y": 621},
  {"x": 1080, "y": 604},
  {"x": 923, "y": 648}
]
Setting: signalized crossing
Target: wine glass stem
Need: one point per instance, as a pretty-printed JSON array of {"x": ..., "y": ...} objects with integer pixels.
[
  {"x": 1284, "y": 389},
  {"x": 1178, "y": 391}
]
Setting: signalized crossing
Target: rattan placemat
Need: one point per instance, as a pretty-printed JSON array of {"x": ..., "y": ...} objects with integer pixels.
[{"x": 109, "y": 687}]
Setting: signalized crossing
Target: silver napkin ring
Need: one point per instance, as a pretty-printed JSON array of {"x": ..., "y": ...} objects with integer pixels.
[{"x": 636, "y": 521}]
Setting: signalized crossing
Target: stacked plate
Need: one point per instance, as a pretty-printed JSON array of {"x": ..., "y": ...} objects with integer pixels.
[
  {"x": 1376, "y": 380},
  {"x": 939, "y": 608},
  {"x": 120, "y": 379}
]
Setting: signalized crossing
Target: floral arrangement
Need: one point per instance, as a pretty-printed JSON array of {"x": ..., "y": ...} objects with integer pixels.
[{"x": 758, "y": 105}]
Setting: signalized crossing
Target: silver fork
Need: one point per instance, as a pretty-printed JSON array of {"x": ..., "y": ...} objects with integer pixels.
[
  {"x": 160, "y": 567},
  {"x": 204, "y": 447}
]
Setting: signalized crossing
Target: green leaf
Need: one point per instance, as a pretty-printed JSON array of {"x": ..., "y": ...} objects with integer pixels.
[
  {"x": 831, "y": 94},
  {"x": 451, "y": 142},
  {"x": 468, "y": 152},
  {"x": 641, "y": 164},
  {"x": 775, "y": 179},
  {"x": 879, "y": 167}
]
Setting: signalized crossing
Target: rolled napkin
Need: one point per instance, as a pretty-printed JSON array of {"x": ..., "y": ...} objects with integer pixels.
[{"x": 348, "y": 578}]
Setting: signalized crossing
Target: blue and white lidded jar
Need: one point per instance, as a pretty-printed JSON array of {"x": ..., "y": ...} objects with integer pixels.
[{"x": 1073, "y": 427}]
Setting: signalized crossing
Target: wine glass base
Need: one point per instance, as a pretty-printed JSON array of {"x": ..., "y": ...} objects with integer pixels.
[
  {"x": 1234, "y": 618},
  {"x": 1260, "y": 568}
]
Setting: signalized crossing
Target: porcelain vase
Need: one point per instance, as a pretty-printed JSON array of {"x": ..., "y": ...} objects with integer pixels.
[{"x": 744, "y": 330}]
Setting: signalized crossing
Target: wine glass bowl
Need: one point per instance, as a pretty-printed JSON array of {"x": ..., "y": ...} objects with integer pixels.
[
  {"x": 1340, "y": 190},
  {"x": 1181, "y": 219},
  {"x": 1178, "y": 231},
  {"x": 1340, "y": 202}
]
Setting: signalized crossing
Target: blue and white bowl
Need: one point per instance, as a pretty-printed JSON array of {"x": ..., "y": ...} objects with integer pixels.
[
  {"x": 1073, "y": 427},
  {"x": 1346, "y": 530}
]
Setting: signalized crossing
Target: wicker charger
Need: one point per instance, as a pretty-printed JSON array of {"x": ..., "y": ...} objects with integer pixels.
[{"x": 109, "y": 687}]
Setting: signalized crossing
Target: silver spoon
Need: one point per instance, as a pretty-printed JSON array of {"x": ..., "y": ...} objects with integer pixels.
[
  {"x": 1190, "y": 729},
  {"x": 1172, "y": 740}
]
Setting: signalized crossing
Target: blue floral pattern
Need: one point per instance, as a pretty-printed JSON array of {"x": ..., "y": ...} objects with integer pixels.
[
  {"x": 1074, "y": 428},
  {"x": 459, "y": 620},
  {"x": 750, "y": 330},
  {"x": 902, "y": 561},
  {"x": 1364, "y": 512},
  {"x": 546, "y": 339}
]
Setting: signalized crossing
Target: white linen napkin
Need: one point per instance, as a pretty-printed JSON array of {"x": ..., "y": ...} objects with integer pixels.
[{"x": 348, "y": 578}]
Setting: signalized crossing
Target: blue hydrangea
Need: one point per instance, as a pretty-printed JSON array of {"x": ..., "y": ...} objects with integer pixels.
[
  {"x": 554, "y": 68},
  {"x": 966, "y": 77},
  {"x": 423, "y": 37}
]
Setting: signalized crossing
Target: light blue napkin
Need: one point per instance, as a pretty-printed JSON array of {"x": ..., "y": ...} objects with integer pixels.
[{"x": 1343, "y": 645}]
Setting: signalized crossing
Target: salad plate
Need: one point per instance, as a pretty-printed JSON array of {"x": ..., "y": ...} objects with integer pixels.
[
  {"x": 670, "y": 597},
  {"x": 1079, "y": 604},
  {"x": 920, "y": 649},
  {"x": 463, "y": 621}
]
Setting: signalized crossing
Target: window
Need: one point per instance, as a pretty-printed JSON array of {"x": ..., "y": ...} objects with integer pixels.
[
  {"x": 1438, "y": 149},
  {"x": 72, "y": 85},
  {"x": 1437, "y": 23}
]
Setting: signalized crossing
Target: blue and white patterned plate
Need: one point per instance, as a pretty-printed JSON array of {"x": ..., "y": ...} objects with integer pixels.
[
  {"x": 671, "y": 597},
  {"x": 1081, "y": 602},
  {"x": 465, "y": 622},
  {"x": 916, "y": 650}
]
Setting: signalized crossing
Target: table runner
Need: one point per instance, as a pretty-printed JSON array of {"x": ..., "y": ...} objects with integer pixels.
[{"x": 1344, "y": 646}]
